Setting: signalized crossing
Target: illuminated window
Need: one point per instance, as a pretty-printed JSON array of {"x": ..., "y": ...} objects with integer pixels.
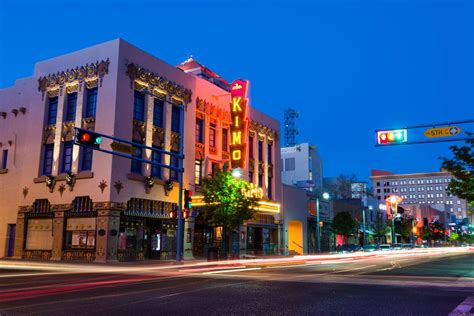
[
  {"x": 91, "y": 102},
  {"x": 198, "y": 172},
  {"x": 139, "y": 106},
  {"x": 212, "y": 135},
  {"x": 225, "y": 140},
  {"x": 71, "y": 107},
  {"x": 52, "y": 110},
  {"x": 66, "y": 162}
]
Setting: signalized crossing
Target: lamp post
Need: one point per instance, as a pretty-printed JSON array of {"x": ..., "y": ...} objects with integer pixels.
[
  {"x": 392, "y": 204},
  {"x": 325, "y": 196}
]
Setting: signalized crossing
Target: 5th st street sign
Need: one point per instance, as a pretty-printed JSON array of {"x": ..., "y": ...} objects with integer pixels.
[{"x": 449, "y": 131}]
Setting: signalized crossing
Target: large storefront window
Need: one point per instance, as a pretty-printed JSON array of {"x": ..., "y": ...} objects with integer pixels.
[
  {"x": 80, "y": 233},
  {"x": 39, "y": 234},
  {"x": 131, "y": 234}
]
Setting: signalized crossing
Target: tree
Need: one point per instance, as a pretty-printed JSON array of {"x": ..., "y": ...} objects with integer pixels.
[
  {"x": 381, "y": 229},
  {"x": 405, "y": 227},
  {"x": 341, "y": 188},
  {"x": 226, "y": 205},
  {"x": 461, "y": 167},
  {"x": 343, "y": 224}
]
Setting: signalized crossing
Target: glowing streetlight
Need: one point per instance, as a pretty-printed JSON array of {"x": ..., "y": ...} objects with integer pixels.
[
  {"x": 237, "y": 173},
  {"x": 392, "y": 204},
  {"x": 325, "y": 196}
]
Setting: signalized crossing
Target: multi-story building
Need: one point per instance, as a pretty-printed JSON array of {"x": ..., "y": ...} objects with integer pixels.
[
  {"x": 419, "y": 188},
  {"x": 302, "y": 167},
  {"x": 65, "y": 202}
]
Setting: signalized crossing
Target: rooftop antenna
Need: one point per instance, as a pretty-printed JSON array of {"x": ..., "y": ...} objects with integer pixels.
[{"x": 290, "y": 127}]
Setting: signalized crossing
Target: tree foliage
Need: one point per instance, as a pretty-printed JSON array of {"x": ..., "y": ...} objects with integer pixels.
[
  {"x": 343, "y": 224},
  {"x": 226, "y": 205},
  {"x": 341, "y": 187},
  {"x": 462, "y": 168}
]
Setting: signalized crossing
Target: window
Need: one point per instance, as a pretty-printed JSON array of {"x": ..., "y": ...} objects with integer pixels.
[
  {"x": 269, "y": 188},
  {"x": 198, "y": 172},
  {"x": 71, "y": 107},
  {"x": 66, "y": 162},
  {"x": 86, "y": 158},
  {"x": 225, "y": 140},
  {"x": 48, "y": 159},
  {"x": 289, "y": 164},
  {"x": 91, "y": 102},
  {"x": 175, "y": 119},
  {"x": 52, "y": 110},
  {"x": 158, "y": 107},
  {"x": 251, "y": 175},
  {"x": 260, "y": 150},
  {"x": 5, "y": 159},
  {"x": 156, "y": 157},
  {"x": 269, "y": 153},
  {"x": 139, "y": 106},
  {"x": 199, "y": 130},
  {"x": 212, "y": 135},
  {"x": 251, "y": 147},
  {"x": 174, "y": 163},
  {"x": 260, "y": 180},
  {"x": 136, "y": 166}
]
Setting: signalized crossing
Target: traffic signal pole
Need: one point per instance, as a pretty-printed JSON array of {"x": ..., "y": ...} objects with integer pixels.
[{"x": 179, "y": 248}]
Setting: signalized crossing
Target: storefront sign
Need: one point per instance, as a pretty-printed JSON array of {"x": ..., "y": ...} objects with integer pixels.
[
  {"x": 253, "y": 191},
  {"x": 239, "y": 126}
]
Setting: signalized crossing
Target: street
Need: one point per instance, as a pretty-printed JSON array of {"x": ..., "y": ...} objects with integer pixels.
[{"x": 393, "y": 284}]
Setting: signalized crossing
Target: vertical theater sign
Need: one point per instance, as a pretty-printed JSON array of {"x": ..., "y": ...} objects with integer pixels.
[{"x": 239, "y": 126}]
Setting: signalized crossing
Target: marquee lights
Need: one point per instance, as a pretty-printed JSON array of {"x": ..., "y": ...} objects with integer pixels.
[{"x": 239, "y": 126}]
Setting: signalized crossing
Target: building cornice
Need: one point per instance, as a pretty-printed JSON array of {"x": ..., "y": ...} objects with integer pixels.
[{"x": 412, "y": 175}]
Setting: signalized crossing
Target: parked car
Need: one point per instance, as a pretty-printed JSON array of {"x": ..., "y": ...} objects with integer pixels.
[
  {"x": 385, "y": 247},
  {"x": 348, "y": 248},
  {"x": 408, "y": 246},
  {"x": 397, "y": 246},
  {"x": 370, "y": 248}
]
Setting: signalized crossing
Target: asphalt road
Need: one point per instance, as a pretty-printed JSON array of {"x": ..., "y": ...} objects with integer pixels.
[{"x": 420, "y": 285}]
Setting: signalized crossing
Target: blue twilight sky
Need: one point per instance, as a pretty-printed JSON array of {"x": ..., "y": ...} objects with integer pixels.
[{"x": 348, "y": 66}]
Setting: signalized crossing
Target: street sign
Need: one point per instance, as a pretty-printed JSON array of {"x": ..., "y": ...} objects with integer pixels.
[
  {"x": 123, "y": 148},
  {"x": 449, "y": 131}
]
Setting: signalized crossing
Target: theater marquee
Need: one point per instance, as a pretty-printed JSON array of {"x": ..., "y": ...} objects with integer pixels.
[{"x": 239, "y": 126}]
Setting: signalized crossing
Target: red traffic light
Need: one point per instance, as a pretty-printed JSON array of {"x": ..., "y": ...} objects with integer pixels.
[{"x": 85, "y": 137}]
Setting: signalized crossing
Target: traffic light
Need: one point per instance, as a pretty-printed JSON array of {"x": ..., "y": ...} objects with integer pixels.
[
  {"x": 396, "y": 136},
  {"x": 187, "y": 199},
  {"x": 88, "y": 138}
]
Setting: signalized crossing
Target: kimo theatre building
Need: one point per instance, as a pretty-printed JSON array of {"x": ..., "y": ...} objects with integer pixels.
[{"x": 254, "y": 150}]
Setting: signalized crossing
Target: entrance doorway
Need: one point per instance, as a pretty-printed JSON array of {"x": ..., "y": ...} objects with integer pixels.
[{"x": 295, "y": 237}]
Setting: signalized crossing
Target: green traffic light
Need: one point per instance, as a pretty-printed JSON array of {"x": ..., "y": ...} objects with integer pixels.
[
  {"x": 399, "y": 135},
  {"x": 98, "y": 140}
]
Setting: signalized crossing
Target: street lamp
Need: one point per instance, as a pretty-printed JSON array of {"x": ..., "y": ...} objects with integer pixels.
[
  {"x": 392, "y": 204},
  {"x": 325, "y": 196},
  {"x": 237, "y": 173}
]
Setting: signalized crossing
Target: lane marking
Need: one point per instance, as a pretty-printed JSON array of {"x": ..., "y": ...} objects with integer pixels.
[
  {"x": 465, "y": 308},
  {"x": 233, "y": 270}
]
